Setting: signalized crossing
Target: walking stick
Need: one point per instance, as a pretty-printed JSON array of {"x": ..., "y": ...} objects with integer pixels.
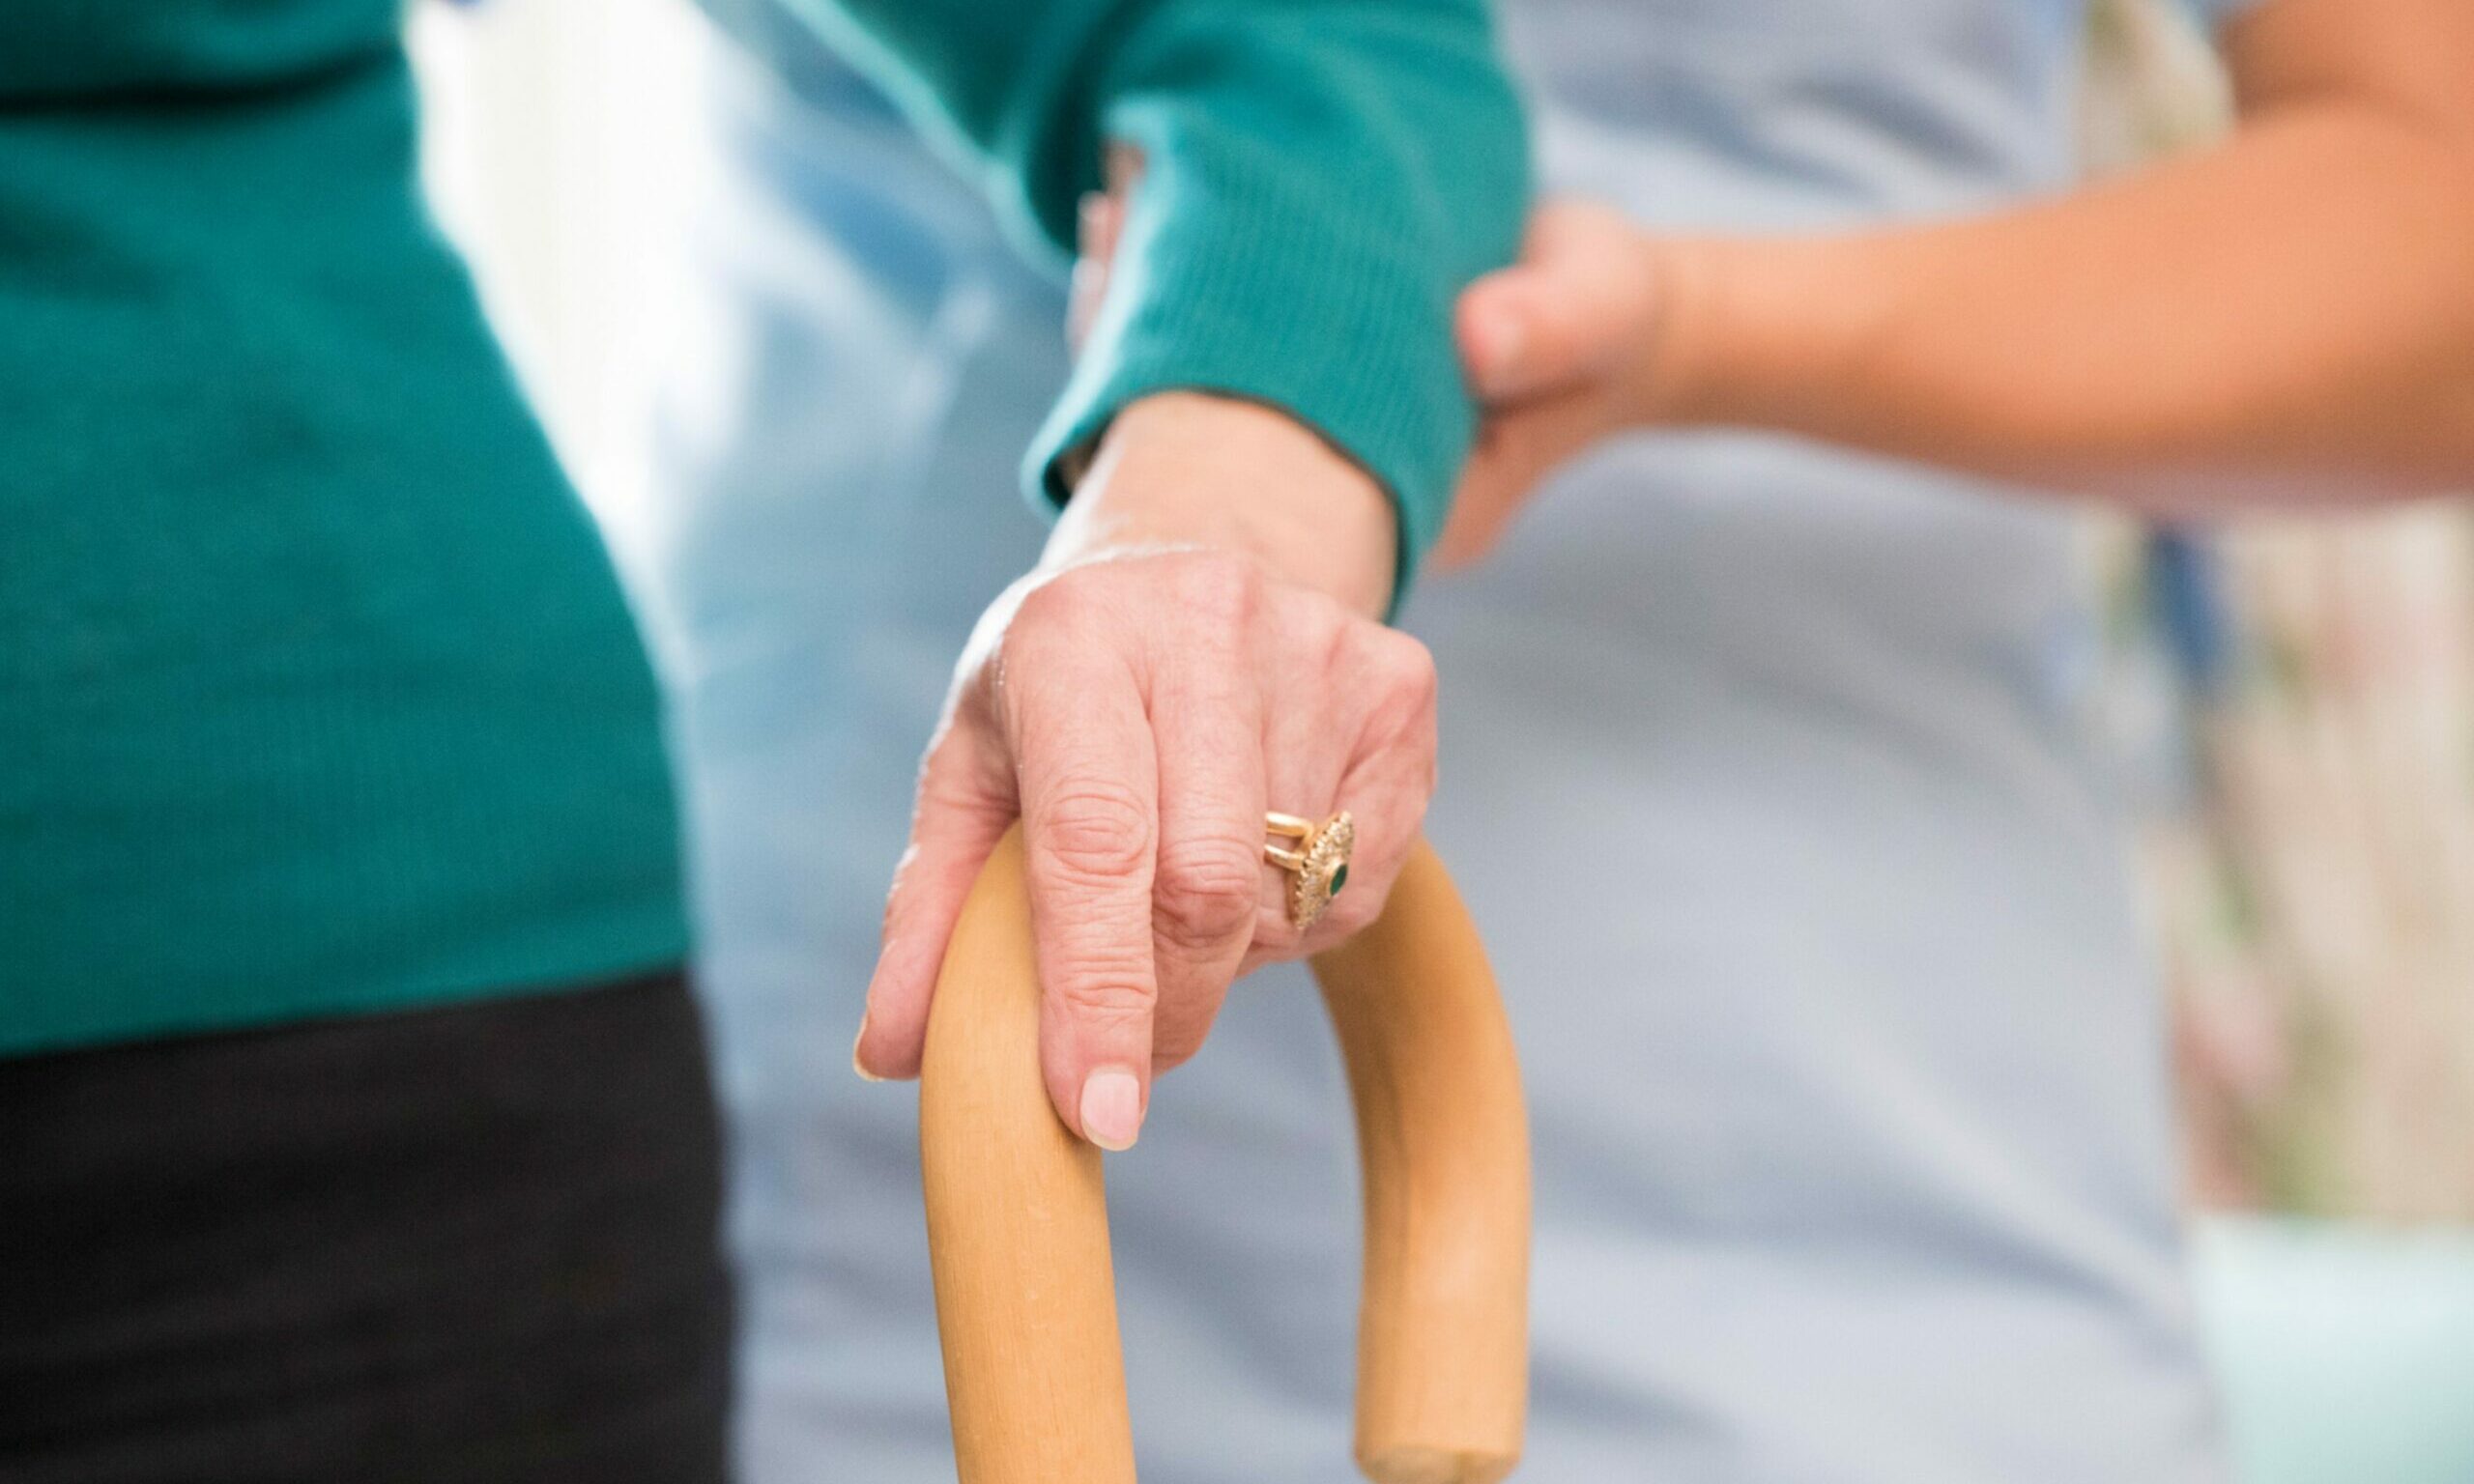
[{"x": 1017, "y": 1223}]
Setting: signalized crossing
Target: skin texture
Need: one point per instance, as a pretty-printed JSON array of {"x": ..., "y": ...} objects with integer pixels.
[
  {"x": 2285, "y": 319},
  {"x": 1200, "y": 643}
]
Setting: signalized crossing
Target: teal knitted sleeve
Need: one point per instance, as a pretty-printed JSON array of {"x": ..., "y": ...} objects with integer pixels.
[{"x": 1322, "y": 177}]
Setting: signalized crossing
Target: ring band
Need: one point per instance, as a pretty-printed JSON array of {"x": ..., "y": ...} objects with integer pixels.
[{"x": 1319, "y": 865}]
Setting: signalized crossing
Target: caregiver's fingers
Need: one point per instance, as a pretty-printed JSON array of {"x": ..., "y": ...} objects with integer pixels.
[
  {"x": 1517, "y": 449},
  {"x": 966, "y": 802},
  {"x": 1206, "y": 708},
  {"x": 1088, "y": 775}
]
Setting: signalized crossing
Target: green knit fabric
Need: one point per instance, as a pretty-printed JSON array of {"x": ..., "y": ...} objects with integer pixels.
[
  {"x": 317, "y": 694},
  {"x": 1321, "y": 178}
]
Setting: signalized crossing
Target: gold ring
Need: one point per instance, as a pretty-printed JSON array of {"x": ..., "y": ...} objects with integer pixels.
[{"x": 1317, "y": 867}]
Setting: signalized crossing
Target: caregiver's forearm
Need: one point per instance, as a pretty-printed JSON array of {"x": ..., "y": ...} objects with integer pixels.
[{"x": 2298, "y": 302}]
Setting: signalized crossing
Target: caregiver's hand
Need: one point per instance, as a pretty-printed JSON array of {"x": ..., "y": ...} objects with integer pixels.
[
  {"x": 2180, "y": 342},
  {"x": 1574, "y": 343},
  {"x": 1199, "y": 644}
]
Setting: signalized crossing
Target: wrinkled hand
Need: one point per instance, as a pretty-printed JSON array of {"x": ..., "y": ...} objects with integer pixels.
[
  {"x": 1564, "y": 348},
  {"x": 1196, "y": 648}
]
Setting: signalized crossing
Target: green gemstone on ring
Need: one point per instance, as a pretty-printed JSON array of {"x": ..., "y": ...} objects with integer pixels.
[{"x": 1340, "y": 879}]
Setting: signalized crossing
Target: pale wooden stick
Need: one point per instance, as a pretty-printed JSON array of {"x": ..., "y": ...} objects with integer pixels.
[
  {"x": 1443, "y": 1141},
  {"x": 1017, "y": 1221},
  {"x": 1017, "y": 1224}
]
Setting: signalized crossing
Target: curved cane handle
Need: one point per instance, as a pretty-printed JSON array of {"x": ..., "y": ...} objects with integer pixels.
[{"x": 1018, "y": 1230}]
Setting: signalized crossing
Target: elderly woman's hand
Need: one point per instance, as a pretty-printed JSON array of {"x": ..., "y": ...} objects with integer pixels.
[{"x": 1199, "y": 646}]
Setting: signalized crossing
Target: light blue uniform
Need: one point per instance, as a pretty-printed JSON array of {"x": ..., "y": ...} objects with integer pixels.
[{"x": 1769, "y": 771}]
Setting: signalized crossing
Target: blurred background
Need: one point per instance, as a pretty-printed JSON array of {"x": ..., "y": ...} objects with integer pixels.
[{"x": 2295, "y": 704}]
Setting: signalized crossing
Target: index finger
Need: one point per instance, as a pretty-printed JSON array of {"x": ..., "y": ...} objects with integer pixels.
[{"x": 1088, "y": 777}]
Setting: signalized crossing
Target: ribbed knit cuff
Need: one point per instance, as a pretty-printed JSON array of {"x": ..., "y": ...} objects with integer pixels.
[{"x": 1272, "y": 285}]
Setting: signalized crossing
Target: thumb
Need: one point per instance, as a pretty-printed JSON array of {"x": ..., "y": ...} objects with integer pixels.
[{"x": 1576, "y": 308}]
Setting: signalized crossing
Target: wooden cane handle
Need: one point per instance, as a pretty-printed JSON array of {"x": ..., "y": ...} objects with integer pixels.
[{"x": 1018, "y": 1231}]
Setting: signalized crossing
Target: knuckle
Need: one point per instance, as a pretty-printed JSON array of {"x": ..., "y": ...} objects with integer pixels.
[
  {"x": 1094, "y": 832},
  {"x": 1408, "y": 668},
  {"x": 947, "y": 789},
  {"x": 1066, "y": 600},
  {"x": 1039, "y": 603},
  {"x": 1206, "y": 891},
  {"x": 1405, "y": 694},
  {"x": 1106, "y": 997}
]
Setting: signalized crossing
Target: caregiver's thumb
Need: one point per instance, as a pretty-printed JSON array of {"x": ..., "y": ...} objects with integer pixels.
[{"x": 1576, "y": 309}]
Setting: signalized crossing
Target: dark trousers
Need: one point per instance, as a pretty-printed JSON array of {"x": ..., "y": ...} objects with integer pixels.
[{"x": 470, "y": 1243}]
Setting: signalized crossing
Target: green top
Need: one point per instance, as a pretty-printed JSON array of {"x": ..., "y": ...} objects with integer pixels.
[{"x": 316, "y": 690}]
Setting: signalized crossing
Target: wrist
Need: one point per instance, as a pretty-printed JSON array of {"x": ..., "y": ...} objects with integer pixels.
[
  {"x": 1681, "y": 375},
  {"x": 1755, "y": 331},
  {"x": 1192, "y": 469}
]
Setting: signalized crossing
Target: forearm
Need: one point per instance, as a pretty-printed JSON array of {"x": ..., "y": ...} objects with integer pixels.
[
  {"x": 1322, "y": 179},
  {"x": 2291, "y": 312}
]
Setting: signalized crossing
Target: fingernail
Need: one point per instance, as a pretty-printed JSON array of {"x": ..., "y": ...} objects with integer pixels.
[
  {"x": 1111, "y": 1108},
  {"x": 865, "y": 1076}
]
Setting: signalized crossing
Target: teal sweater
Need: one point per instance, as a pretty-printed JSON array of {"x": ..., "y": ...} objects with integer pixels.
[{"x": 317, "y": 694}]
